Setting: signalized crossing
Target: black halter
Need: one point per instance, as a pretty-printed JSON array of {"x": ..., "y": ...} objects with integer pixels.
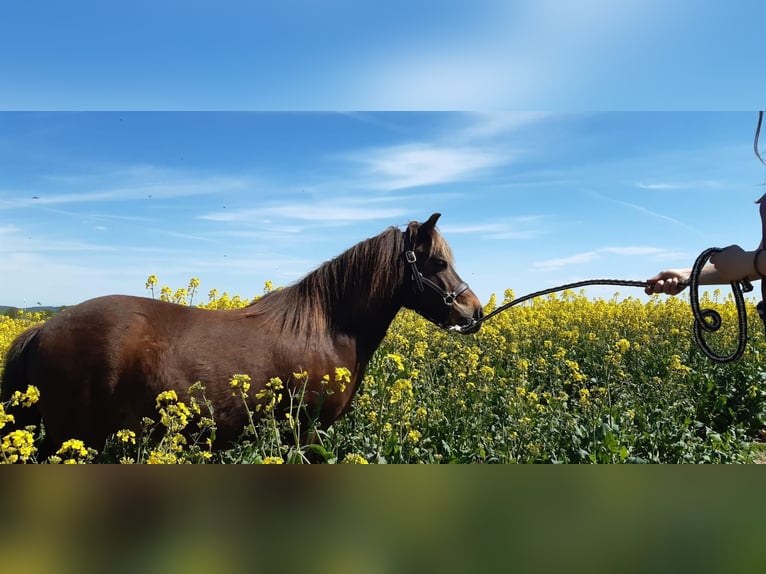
[{"x": 420, "y": 280}]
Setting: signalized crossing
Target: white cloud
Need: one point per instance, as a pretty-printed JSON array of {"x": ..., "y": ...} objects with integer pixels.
[
  {"x": 525, "y": 227},
  {"x": 708, "y": 184},
  {"x": 423, "y": 164},
  {"x": 330, "y": 212},
  {"x": 492, "y": 124},
  {"x": 643, "y": 210},
  {"x": 658, "y": 186},
  {"x": 589, "y": 256},
  {"x": 147, "y": 186},
  {"x": 559, "y": 262},
  {"x": 8, "y": 229},
  {"x": 632, "y": 250}
]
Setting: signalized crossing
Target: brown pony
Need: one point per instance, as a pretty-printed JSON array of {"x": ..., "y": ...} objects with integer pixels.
[{"x": 100, "y": 365}]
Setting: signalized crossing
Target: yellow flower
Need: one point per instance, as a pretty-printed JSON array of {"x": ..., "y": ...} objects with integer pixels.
[
  {"x": 177, "y": 442},
  {"x": 151, "y": 281},
  {"x": 677, "y": 366},
  {"x": 165, "y": 293},
  {"x": 400, "y": 390},
  {"x": 159, "y": 457},
  {"x": 74, "y": 450},
  {"x": 487, "y": 372},
  {"x": 273, "y": 460},
  {"x": 27, "y": 398},
  {"x": 622, "y": 346},
  {"x": 17, "y": 446},
  {"x": 269, "y": 396},
  {"x": 126, "y": 436},
  {"x": 352, "y": 458},
  {"x": 4, "y": 417},
  {"x": 166, "y": 397},
  {"x": 419, "y": 349},
  {"x": 396, "y": 360},
  {"x": 342, "y": 377},
  {"x": 241, "y": 382},
  {"x": 175, "y": 416}
]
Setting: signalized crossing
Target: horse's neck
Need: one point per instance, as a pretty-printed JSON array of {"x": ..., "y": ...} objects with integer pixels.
[{"x": 367, "y": 320}]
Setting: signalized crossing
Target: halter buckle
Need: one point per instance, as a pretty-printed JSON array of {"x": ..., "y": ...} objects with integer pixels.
[{"x": 409, "y": 257}]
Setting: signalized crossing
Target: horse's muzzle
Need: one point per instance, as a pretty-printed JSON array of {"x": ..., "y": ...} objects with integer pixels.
[{"x": 472, "y": 326}]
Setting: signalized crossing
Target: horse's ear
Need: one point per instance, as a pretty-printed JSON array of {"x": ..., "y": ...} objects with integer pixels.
[{"x": 426, "y": 229}]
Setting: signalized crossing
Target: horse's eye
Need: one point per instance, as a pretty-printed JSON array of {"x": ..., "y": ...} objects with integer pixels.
[{"x": 440, "y": 263}]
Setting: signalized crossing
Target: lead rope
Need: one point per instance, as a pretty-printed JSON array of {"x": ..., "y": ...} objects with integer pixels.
[
  {"x": 709, "y": 320},
  {"x": 706, "y": 320}
]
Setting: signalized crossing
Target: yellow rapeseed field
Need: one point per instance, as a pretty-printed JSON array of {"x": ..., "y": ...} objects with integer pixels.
[{"x": 564, "y": 378}]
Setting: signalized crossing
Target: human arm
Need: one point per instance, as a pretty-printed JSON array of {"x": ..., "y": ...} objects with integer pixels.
[{"x": 731, "y": 264}]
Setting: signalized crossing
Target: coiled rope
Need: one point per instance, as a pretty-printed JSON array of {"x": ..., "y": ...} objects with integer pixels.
[{"x": 707, "y": 320}]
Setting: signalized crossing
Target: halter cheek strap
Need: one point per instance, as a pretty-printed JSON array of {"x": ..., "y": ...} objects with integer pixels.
[{"x": 420, "y": 280}]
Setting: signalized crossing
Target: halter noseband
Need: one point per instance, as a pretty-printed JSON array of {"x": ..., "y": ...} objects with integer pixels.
[{"x": 449, "y": 297}]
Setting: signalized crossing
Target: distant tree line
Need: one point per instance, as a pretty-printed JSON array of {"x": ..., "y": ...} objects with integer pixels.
[{"x": 46, "y": 312}]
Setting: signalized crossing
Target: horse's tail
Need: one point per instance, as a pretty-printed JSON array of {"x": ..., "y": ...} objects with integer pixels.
[{"x": 15, "y": 379}]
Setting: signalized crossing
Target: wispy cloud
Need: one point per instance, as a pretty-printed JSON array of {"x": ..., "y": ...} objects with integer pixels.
[
  {"x": 484, "y": 125},
  {"x": 658, "y": 186},
  {"x": 423, "y": 164},
  {"x": 526, "y": 227},
  {"x": 335, "y": 211},
  {"x": 655, "y": 214},
  {"x": 590, "y": 256},
  {"x": 163, "y": 186},
  {"x": 8, "y": 229},
  {"x": 706, "y": 184},
  {"x": 644, "y": 210}
]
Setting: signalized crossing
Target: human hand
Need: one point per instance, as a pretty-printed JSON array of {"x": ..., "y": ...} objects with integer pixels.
[{"x": 670, "y": 282}]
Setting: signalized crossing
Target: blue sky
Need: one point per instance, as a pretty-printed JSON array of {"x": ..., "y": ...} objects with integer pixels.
[
  {"x": 355, "y": 55},
  {"x": 92, "y": 203},
  {"x": 597, "y": 148}
]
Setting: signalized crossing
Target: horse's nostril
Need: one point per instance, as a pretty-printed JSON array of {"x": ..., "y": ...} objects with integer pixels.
[{"x": 479, "y": 313}]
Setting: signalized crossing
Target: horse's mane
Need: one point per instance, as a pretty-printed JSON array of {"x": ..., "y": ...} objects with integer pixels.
[
  {"x": 344, "y": 289},
  {"x": 338, "y": 290}
]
